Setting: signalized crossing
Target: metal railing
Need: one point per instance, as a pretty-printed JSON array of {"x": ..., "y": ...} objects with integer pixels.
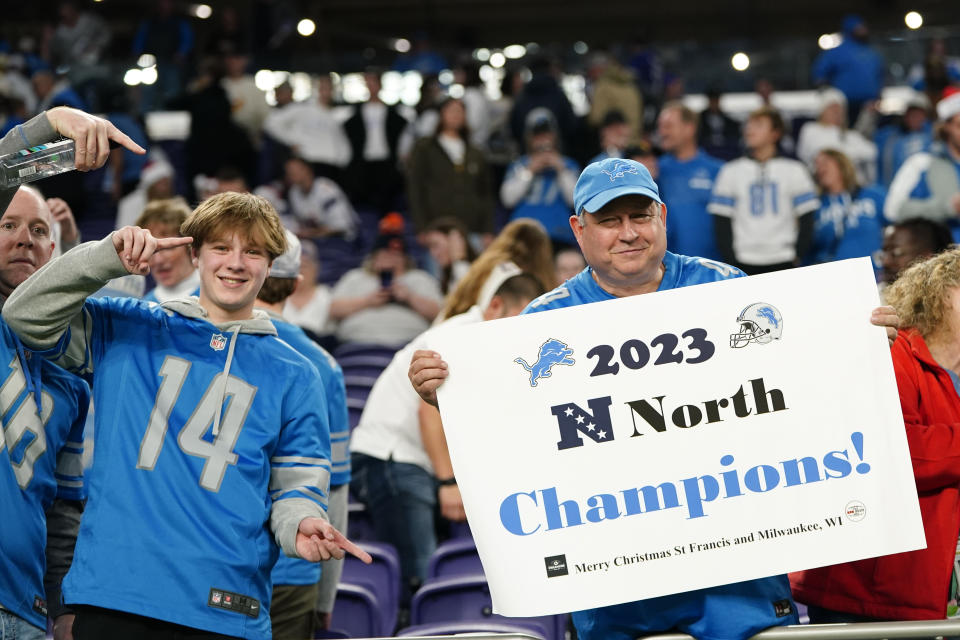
[{"x": 848, "y": 631}]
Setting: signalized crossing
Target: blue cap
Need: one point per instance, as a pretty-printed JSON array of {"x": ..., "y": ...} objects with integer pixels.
[{"x": 609, "y": 179}]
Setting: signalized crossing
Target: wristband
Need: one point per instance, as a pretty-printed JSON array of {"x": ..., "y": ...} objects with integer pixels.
[{"x": 446, "y": 482}]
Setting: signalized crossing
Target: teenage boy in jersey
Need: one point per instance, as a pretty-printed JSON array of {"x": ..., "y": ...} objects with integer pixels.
[
  {"x": 209, "y": 431},
  {"x": 620, "y": 224},
  {"x": 43, "y": 409},
  {"x": 297, "y": 594},
  {"x": 763, "y": 205}
]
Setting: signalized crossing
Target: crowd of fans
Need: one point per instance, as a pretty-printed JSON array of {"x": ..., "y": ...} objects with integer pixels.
[
  {"x": 393, "y": 205},
  {"x": 333, "y": 169}
]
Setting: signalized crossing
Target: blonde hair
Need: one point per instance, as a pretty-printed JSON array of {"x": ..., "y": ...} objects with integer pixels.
[
  {"x": 847, "y": 171},
  {"x": 170, "y": 212},
  {"x": 523, "y": 242},
  {"x": 921, "y": 293},
  {"x": 233, "y": 212}
]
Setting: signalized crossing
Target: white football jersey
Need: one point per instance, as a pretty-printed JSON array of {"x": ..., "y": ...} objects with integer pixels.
[{"x": 764, "y": 200}]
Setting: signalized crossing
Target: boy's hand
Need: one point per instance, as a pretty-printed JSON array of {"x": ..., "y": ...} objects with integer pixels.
[{"x": 136, "y": 246}]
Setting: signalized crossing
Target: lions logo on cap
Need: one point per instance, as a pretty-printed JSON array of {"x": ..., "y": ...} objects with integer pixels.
[{"x": 620, "y": 170}]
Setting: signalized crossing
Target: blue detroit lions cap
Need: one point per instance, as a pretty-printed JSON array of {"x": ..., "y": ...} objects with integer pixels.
[{"x": 609, "y": 179}]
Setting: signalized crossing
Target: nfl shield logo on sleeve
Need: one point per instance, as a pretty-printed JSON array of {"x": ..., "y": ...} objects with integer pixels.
[{"x": 218, "y": 342}]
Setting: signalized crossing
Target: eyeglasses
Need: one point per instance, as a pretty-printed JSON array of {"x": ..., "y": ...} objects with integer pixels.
[{"x": 879, "y": 257}]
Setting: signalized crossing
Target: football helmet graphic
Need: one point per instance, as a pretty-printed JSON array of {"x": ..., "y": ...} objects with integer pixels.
[{"x": 760, "y": 323}]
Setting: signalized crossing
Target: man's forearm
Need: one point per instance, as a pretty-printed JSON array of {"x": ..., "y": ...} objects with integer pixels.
[
  {"x": 932, "y": 208},
  {"x": 34, "y": 131},
  {"x": 434, "y": 440}
]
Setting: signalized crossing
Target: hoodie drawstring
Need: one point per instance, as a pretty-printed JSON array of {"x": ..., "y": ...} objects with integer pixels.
[
  {"x": 225, "y": 379},
  {"x": 32, "y": 367}
]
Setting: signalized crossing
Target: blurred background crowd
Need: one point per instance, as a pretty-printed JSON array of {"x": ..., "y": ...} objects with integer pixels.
[{"x": 421, "y": 148}]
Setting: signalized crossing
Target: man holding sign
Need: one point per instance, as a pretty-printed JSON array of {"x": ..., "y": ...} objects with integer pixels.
[{"x": 620, "y": 224}]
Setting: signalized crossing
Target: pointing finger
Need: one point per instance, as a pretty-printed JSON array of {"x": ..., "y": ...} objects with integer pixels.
[
  {"x": 172, "y": 243},
  {"x": 353, "y": 549},
  {"x": 123, "y": 139}
]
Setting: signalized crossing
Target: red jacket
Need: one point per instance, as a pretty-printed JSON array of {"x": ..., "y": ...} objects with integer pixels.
[{"x": 913, "y": 585}]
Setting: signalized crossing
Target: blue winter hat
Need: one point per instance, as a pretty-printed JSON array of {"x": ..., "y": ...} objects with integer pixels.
[{"x": 609, "y": 179}]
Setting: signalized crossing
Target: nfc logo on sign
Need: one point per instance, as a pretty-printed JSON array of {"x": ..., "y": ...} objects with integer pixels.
[{"x": 556, "y": 566}]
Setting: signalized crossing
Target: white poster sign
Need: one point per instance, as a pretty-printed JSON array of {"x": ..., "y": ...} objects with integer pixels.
[{"x": 661, "y": 443}]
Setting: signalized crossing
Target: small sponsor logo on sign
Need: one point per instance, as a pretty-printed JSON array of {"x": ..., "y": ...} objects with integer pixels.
[
  {"x": 556, "y": 566},
  {"x": 855, "y": 511}
]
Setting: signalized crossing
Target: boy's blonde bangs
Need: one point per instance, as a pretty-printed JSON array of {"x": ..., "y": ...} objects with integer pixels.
[{"x": 227, "y": 213}]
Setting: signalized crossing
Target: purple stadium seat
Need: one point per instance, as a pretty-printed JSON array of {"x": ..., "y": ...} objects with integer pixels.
[
  {"x": 359, "y": 525},
  {"x": 337, "y": 256},
  {"x": 471, "y": 626},
  {"x": 362, "y": 364},
  {"x": 358, "y": 612},
  {"x": 460, "y": 530},
  {"x": 455, "y": 557},
  {"x": 364, "y": 349},
  {"x": 328, "y": 634},
  {"x": 465, "y": 598},
  {"x": 382, "y": 578},
  {"x": 365, "y": 364}
]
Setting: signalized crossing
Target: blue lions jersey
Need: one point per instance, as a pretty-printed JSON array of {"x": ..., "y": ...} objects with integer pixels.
[
  {"x": 728, "y": 612},
  {"x": 43, "y": 409},
  {"x": 294, "y": 570},
  {"x": 544, "y": 202},
  {"x": 680, "y": 271},
  {"x": 200, "y": 432},
  {"x": 848, "y": 226}
]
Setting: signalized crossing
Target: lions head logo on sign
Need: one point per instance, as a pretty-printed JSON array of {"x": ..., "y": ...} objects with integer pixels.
[
  {"x": 619, "y": 170},
  {"x": 552, "y": 352},
  {"x": 218, "y": 342},
  {"x": 760, "y": 323}
]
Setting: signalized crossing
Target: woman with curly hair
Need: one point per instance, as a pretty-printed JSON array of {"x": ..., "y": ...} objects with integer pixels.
[{"x": 917, "y": 585}]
